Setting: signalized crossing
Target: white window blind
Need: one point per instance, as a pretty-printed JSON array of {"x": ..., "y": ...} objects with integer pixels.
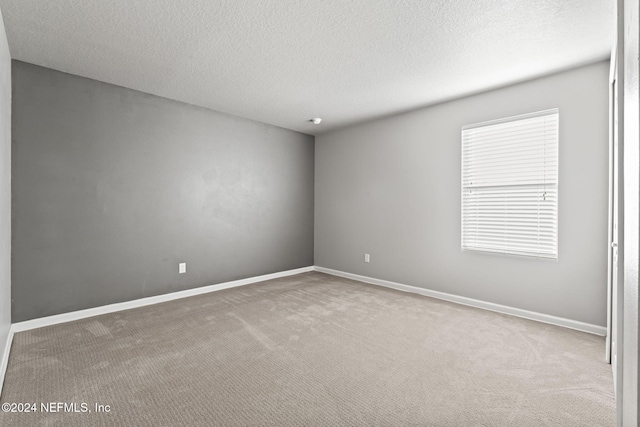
[{"x": 510, "y": 185}]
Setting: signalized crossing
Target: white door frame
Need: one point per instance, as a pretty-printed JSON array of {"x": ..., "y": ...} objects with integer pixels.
[{"x": 610, "y": 238}]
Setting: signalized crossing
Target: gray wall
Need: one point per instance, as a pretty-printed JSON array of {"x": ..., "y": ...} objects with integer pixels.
[
  {"x": 5, "y": 190},
  {"x": 112, "y": 188},
  {"x": 391, "y": 188}
]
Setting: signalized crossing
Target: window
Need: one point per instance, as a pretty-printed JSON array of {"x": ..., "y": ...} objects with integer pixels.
[{"x": 510, "y": 185}]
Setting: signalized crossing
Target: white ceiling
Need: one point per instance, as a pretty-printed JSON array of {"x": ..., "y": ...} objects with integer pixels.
[{"x": 286, "y": 61}]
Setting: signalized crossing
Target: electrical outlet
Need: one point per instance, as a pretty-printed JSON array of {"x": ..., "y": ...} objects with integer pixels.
[
  {"x": 367, "y": 258},
  {"x": 182, "y": 267}
]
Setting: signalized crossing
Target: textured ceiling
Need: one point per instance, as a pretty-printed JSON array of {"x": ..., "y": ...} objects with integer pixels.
[{"x": 284, "y": 62}]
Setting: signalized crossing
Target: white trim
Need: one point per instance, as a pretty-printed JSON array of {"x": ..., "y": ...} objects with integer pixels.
[
  {"x": 512, "y": 118},
  {"x": 127, "y": 305},
  {"x": 5, "y": 357},
  {"x": 613, "y": 65},
  {"x": 531, "y": 315},
  {"x": 111, "y": 308}
]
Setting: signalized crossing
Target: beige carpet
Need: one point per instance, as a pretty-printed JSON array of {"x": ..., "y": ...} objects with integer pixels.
[{"x": 310, "y": 350}]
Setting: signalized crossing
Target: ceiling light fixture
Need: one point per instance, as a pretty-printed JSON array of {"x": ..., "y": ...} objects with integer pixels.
[{"x": 316, "y": 121}]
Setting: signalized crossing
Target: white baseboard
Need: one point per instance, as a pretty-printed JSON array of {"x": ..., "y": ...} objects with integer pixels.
[
  {"x": 531, "y": 315},
  {"x": 111, "y": 308},
  {"x": 4, "y": 362}
]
